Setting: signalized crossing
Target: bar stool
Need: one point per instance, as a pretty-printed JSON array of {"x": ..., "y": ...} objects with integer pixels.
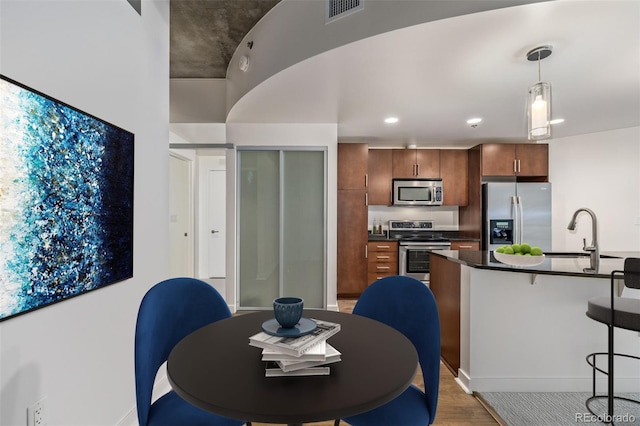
[{"x": 622, "y": 312}]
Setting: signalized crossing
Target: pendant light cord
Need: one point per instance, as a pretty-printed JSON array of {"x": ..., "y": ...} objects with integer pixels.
[{"x": 539, "y": 75}]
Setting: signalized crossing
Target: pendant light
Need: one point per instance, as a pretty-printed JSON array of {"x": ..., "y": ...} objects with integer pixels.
[{"x": 539, "y": 101}]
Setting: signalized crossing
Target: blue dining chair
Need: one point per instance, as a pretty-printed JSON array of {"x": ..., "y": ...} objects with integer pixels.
[
  {"x": 168, "y": 312},
  {"x": 407, "y": 305}
]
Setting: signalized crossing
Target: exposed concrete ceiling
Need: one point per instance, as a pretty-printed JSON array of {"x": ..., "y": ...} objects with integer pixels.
[{"x": 205, "y": 33}]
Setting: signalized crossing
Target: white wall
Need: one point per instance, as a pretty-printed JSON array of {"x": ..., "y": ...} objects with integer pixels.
[
  {"x": 198, "y": 100},
  {"x": 105, "y": 59},
  {"x": 320, "y": 135},
  {"x": 600, "y": 171}
]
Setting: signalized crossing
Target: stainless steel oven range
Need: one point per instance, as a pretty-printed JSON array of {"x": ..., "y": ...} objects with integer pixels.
[{"x": 416, "y": 239}]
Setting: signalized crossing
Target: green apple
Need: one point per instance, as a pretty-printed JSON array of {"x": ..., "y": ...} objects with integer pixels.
[
  {"x": 508, "y": 250},
  {"x": 525, "y": 248},
  {"x": 536, "y": 251},
  {"x": 516, "y": 248}
]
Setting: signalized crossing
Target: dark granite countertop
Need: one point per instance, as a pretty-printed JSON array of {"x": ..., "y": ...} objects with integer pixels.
[
  {"x": 383, "y": 237},
  {"x": 564, "y": 266}
]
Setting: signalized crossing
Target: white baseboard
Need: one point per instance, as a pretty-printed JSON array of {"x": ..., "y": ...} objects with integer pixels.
[
  {"x": 549, "y": 384},
  {"x": 333, "y": 308}
]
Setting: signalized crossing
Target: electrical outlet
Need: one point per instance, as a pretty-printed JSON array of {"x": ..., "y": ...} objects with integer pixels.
[{"x": 36, "y": 413}]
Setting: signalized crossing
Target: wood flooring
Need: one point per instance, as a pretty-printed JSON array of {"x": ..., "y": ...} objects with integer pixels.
[{"x": 455, "y": 407}]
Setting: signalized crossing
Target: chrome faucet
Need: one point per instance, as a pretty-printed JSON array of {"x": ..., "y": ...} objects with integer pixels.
[{"x": 594, "y": 251}]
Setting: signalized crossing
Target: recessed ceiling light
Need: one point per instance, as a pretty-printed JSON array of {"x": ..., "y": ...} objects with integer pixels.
[
  {"x": 474, "y": 120},
  {"x": 391, "y": 120},
  {"x": 556, "y": 121}
]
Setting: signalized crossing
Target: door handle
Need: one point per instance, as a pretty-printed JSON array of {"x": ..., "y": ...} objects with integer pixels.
[{"x": 213, "y": 231}]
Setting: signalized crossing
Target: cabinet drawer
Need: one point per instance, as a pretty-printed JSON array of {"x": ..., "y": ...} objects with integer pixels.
[
  {"x": 384, "y": 257},
  {"x": 465, "y": 245},
  {"x": 373, "y": 277},
  {"x": 383, "y": 247},
  {"x": 383, "y": 267}
]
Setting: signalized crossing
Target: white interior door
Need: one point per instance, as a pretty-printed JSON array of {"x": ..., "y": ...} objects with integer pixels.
[
  {"x": 216, "y": 221},
  {"x": 180, "y": 218}
]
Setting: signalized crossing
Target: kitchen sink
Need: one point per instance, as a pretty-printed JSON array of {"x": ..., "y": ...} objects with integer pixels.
[{"x": 577, "y": 254}]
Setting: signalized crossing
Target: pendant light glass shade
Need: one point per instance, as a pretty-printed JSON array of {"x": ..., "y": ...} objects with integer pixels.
[{"x": 539, "y": 111}]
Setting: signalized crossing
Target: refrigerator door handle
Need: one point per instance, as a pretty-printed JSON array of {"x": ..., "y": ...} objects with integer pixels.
[
  {"x": 521, "y": 221},
  {"x": 514, "y": 216}
]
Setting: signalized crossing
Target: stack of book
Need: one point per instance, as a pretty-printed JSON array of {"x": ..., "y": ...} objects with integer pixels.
[{"x": 306, "y": 355}]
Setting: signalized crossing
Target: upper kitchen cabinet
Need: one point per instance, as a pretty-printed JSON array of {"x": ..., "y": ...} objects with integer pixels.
[
  {"x": 515, "y": 160},
  {"x": 416, "y": 163},
  {"x": 380, "y": 177},
  {"x": 454, "y": 172},
  {"x": 352, "y": 165}
]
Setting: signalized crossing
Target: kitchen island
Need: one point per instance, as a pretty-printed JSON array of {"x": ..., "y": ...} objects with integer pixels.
[{"x": 524, "y": 329}]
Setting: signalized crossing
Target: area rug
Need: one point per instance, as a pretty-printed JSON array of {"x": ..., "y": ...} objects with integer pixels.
[{"x": 557, "y": 408}]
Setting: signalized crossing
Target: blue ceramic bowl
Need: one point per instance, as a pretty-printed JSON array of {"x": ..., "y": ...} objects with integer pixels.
[{"x": 288, "y": 311}]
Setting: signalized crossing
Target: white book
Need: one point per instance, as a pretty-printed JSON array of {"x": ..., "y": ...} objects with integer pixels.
[
  {"x": 333, "y": 355},
  {"x": 316, "y": 353},
  {"x": 273, "y": 370},
  {"x": 296, "y": 346}
]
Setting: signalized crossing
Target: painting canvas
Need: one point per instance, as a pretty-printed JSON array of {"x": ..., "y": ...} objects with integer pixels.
[{"x": 66, "y": 201}]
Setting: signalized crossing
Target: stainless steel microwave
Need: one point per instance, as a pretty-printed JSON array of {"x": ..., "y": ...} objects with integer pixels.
[{"x": 417, "y": 192}]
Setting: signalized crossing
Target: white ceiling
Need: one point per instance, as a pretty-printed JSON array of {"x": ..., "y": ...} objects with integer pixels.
[{"x": 435, "y": 76}]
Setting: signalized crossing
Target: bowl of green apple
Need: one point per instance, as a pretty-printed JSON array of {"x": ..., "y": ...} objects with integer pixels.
[{"x": 519, "y": 255}]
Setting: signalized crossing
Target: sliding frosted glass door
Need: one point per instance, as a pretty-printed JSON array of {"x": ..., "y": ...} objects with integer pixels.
[
  {"x": 259, "y": 227},
  {"x": 281, "y": 226}
]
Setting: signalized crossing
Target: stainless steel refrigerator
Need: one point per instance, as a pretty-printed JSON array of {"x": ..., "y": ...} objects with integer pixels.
[{"x": 516, "y": 212}]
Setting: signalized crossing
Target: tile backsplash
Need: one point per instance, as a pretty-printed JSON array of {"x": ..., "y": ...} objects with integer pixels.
[{"x": 445, "y": 218}]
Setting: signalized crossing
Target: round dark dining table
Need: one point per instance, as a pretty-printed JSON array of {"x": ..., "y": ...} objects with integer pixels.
[{"x": 215, "y": 369}]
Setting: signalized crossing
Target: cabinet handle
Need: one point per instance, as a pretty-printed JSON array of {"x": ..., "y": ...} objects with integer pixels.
[
  {"x": 518, "y": 166},
  {"x": 417, "y": 169},
  {"x": 465, "y": 246},
  {"x": 366, "y": 199},
  {"x": 382, "y": 257},
  {"x": 366, "y": 251},
  {"x": 383, "y": 247},
  {"x": 515, "y": 166},
  {"x": 383, "y": 267},
  {"x": 366, "y": 180}
]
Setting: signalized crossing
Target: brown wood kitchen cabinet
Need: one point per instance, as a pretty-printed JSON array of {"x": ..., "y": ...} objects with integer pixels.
[
  {"x": 416, "y": 163},
  {"x": 515, "y": 159},
  {"x": 454, "y": 171},
  {"x": 382, "y": 260},
  {"x": 352, "y": 165},
  {"x": 445, "y": 285},
  {"x": 465, "y": 245},
  {"x": 352, "y": 243},
  {"x": 380, "y": 171},
  {"x": 352, "y": 219}
]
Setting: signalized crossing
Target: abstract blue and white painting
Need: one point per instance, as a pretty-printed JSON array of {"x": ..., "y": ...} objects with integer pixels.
[{"x": 66, "y": 201}]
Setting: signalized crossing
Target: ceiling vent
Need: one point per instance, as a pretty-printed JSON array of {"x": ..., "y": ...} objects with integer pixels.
[{"x": 337, "y": 9}]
